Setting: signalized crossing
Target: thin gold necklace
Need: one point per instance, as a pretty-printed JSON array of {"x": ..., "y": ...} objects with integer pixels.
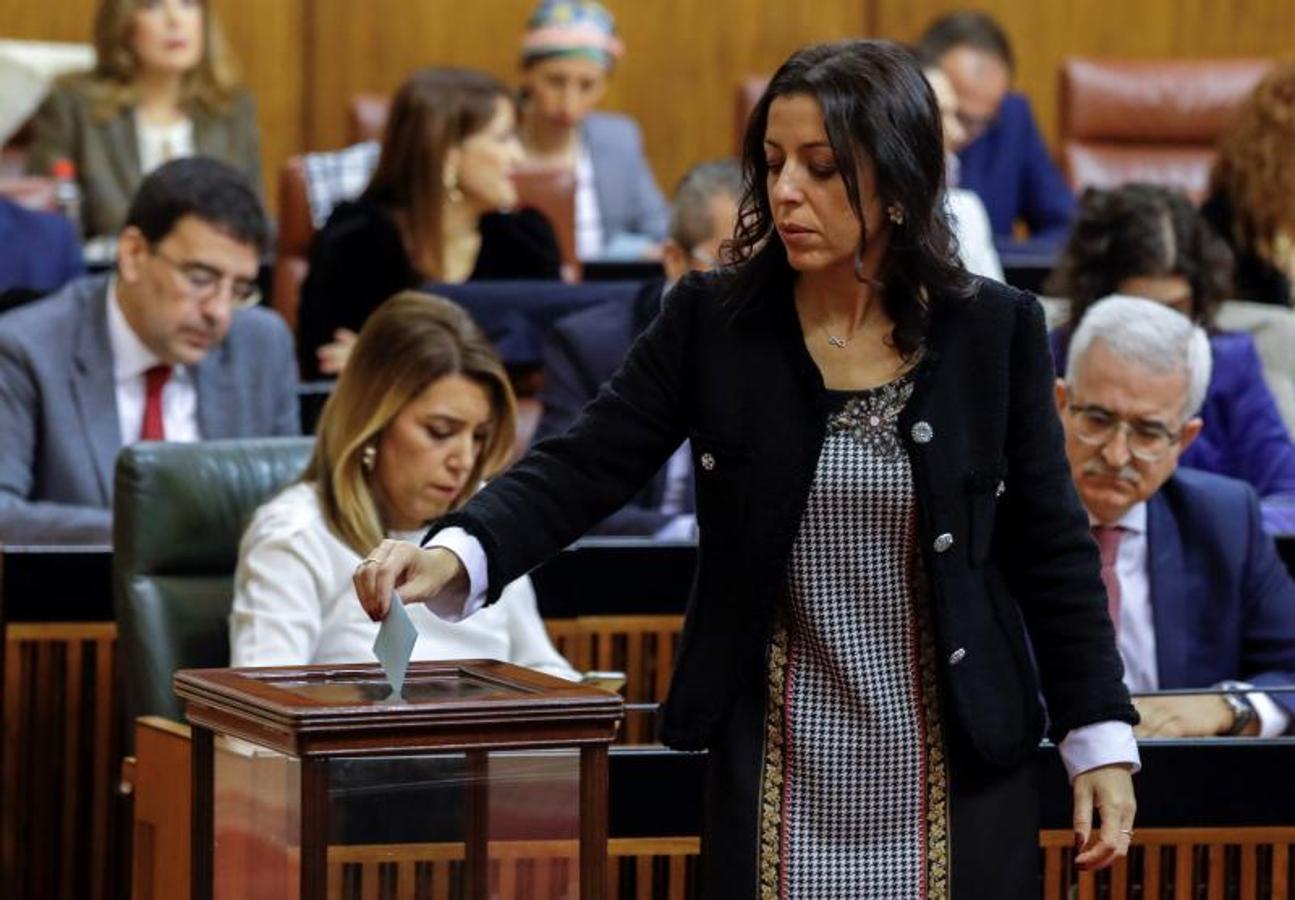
[{"x": 837, "y": 342}]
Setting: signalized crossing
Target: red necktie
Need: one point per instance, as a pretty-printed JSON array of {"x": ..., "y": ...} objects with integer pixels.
[
  {"x": 1108, "y": 544},
  {"x": 154, "y": 380}
]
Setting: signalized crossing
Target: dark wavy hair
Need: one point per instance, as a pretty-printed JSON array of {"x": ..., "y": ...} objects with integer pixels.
[
  {"x": 878, "y": 107},
  {"x": 1141, "y": 231}
]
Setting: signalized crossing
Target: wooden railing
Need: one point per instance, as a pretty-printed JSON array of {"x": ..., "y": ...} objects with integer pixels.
[
  {"x": 1209, "y": 863},
  {"x": 61, "y": 748},
  {"x": 640, "y": 869},
  {"x": 61, "y": 751},
  {"x": 643, "y": 647}
]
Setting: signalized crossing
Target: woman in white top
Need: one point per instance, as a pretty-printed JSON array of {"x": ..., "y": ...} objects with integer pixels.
[
  {"x": 163, "y": 87},
  {"x": 966, "y": 211},
  {"x": 420, "y": 416}
]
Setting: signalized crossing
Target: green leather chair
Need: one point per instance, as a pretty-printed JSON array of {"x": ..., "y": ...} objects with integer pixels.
[{"x": 178, "y": 514}]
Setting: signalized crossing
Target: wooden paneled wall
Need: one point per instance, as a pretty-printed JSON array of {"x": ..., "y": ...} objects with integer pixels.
[{"x": 684, "y": 60}]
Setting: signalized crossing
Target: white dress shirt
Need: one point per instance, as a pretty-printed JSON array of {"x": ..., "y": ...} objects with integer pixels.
[
  {"x": 160, "y": 144},
  {"x": 589, "y": 218},
  {"x": 1100, "y": 744},
  {"x": 130, "y": 360},
  {"x": 294, "y": 602},
  {"x": 975, "y": 236},
  {"x": 1136, "y": 634}
]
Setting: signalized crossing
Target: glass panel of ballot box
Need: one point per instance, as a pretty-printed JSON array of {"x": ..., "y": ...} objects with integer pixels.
[{"x": 483, "y": 780}]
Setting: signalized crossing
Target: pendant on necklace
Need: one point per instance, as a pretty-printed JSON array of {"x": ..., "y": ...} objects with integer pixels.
[{"x": 838, "y": 342}]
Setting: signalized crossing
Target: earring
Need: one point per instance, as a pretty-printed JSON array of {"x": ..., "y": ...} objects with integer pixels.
[
  {"x": 895, "y": 213},
  {"x": 369, "y": 457},
  {"x": 452, "y": 192}
]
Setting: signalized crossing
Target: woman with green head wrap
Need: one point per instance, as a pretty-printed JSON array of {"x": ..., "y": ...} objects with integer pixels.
[{"x": 568, "y": 52}]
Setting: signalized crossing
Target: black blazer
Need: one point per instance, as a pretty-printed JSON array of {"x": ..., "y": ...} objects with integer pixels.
[
  {"x": 581, "y": 352},
  {"x": 1005, "y": 541},
  {"x": 358, "y": 261}
]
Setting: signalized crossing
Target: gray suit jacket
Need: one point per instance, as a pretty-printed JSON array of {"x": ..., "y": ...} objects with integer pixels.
[
  {"x": 58, "y": 408},
  {"x": 629, "y": 201},
  {"x": 106, "y": 153}
]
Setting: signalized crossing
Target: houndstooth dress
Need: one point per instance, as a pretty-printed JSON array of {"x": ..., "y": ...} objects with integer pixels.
[{"x": 854, "y": 787}]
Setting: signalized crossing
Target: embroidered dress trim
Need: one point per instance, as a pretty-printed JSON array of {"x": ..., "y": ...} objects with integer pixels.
[
  {"x": 771, "y": 788},
  {"x": 935, "y": 766},
  {"x": 872, "y": 418}
]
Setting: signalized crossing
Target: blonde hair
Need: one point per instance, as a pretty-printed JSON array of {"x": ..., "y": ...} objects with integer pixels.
[
  {"x": 409, "y": 342},
  {"x": 209, "y": 88}
]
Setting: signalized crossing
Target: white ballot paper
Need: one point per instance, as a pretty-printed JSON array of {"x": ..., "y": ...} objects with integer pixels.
[{"x": 395, "y": 644}]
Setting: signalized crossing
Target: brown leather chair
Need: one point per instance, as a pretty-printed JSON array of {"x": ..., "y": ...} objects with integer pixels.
[
  {"x": 367, "y": 117},
  {"x": 1155, "y": 121},
  {"x": 553, "y": 193},
  {"x": 748, "y": 95},
  {"x": 292, "y": 248}
]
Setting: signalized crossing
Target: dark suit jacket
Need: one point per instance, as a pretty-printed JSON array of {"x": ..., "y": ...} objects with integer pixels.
[
  {"x": 1222, "y": 602},
  {"x": 358, "y": 261},
  {"x": 745, "y": 391},
  {"x": 581, "y": 352},
  {"x": 39, "y": 253},
  {"x": 1009, "y": 167},
  {"x": 58, "y": 408},
  {"x": 106, "y": 153}
]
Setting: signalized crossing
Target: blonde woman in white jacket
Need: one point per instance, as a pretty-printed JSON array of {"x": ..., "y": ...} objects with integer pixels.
[{"x": 420, "y": 416}]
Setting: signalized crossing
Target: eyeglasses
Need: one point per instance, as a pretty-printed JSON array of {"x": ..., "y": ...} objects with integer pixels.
[
  {"x": 202, "y": 283},
  {"x": 1097, "y": 426}
]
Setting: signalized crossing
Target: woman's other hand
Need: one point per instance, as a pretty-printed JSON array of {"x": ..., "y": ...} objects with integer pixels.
[
  {"x": 418, "y": 575},
  {"x": 1109, "y": 791},
  {"x": 333, "y": 356}
]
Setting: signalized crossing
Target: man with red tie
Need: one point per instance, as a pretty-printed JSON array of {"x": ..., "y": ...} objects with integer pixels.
[
  {"x": 170, "y": 346},
  {"x": 1197, "y": 592}
]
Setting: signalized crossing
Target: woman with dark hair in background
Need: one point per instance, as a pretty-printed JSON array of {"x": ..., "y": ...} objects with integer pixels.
[
  {"x": 1252, "y": 190},
  {"x": 163, "y": 87},
  {"x": 1147, "y": 241},
  {"x": 431, "y": 213},
  {"x": 568, "y": 53},
  {"x": 885, "y": 512}
]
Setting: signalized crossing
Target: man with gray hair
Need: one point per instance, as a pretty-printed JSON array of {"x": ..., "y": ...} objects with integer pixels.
[
  {"x": 586, "y": 347},
  {"x": 1196, "y": 591}
]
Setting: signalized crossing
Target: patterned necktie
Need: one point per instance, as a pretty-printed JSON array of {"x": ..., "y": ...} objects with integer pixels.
[
  {"x": 154, "y": 380},
  {"x": 1108, "y": 544}
]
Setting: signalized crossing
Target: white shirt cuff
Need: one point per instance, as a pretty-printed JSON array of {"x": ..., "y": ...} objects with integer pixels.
[
  {"x": 469, "y": 551},
  {"x": 1100, "y": 744},
  {"x": 680, "y": 528},
  {"x": 1273, "y": 719}
]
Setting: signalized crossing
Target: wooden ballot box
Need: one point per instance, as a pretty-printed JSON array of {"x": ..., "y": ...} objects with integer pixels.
[{"x": 482, "y": 780}]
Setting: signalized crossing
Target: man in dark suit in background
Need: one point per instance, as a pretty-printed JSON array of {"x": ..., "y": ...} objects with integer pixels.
[
  {"x": 39, "y": 253},
  {"x": 1003, "y": 159},
  {"x": 584, "y": 348},
  {"x": 1197, "y": 591},
  {"x": 167, "y": 348}
]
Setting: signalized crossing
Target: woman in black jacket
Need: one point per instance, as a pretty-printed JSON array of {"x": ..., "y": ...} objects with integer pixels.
[
  {"x": 885, "y": 512},
  {"x": 431, "y": 212}
]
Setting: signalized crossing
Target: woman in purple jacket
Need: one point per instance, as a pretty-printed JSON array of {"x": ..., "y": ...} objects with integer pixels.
[{"x": 1151, "y": 242}]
